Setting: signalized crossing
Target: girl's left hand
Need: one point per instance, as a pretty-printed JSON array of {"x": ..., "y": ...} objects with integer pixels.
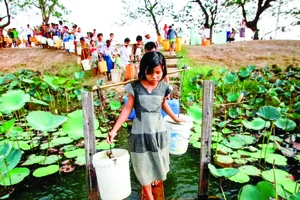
[{"x": 180, "y": 119}]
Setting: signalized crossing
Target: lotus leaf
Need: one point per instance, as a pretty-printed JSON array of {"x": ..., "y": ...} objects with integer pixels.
[
  {"x": 13, "y": 100},
  {"x": 251, "y": 68},
  {"x": 232, "y": 97},
  {"x": 250, "y": 170},
  {"x": 285, "y": 124},
  {"x": 230, "y": 78},
  {"x": 280, "y": 175},
  {"x": 295, "y": 197},
  {"x": 14, "y": 176},
  {"x": 256, "y": 124},
  {"x": 50, "y": 160},
  {"x": 297, "y": 157},
  {"x": 233, "y": 113},
  {"x": 267, "y": 147},
  {"x": 262, "y": 89},
  {"x": 26, "y": 145},
  {"x": 248, "y": 139},
  {"x": 6, "y": 126},
  {"x": 263, "y": 191},
  {"x": 80, "y": 160},
  {"x": 34, "y": 100},
  {"x": 33, "y": 159},
  {"x": 114, "y": 105},
  {"x": 226, "y": 131},
  {"x": 5, "y": 149},
  {"x": 103, "y": 145},
  {"x": 196, "y": 113},
  {"x": 44, "y": 121},
  {"x": 69, "y": 147},
  {"x": 196, "y": 144},
  {"x": 75, "y": 153},
  {"x": 244, "y": 73},
  {"x": 234, "y": 142},
  {"x": 198, "y": 129},
  {"x": 223, "y": 172},
  {"x": 221, "y": 148},
  {"x": 240, "y": 177},
  {"x": 49, "y": 80},
  {"x": 74, "y": 125},
  {"x": 224, "y": 160},
  {"x": 269, "y": 113},
  {"x": 223, "y": 123},
  {"x": 11, "y": 159},
  {"x": 291, "y": 186},
  {"x": 45, "y": 171}
]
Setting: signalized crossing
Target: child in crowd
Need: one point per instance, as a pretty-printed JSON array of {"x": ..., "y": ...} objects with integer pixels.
[
  {"x": 85, "y": 53},
  {"x": 94, "y": 53},
  {"x": 137, "y": 49},
  {"x": 149, "y": 138}
]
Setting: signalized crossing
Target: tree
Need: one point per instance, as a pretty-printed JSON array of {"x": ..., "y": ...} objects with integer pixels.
[
  {"x": 47, "y": 8},
  {"x": 148, "y": 11},
  {"x": 248, "y": 6},
  {"x": 2, "y": 26}
]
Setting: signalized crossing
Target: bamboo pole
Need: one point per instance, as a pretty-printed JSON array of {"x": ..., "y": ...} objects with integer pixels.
[
  {"x": 96, "y": 87},
  {"x": 205, "y": 152},
  {"x": 90, "y": 144}
]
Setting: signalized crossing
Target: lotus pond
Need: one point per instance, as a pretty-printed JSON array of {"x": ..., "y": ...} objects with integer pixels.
[{"x": 255, "y": 139}]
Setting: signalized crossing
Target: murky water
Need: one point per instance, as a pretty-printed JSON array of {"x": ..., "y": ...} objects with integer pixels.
[{"x": 182, "y": 181}]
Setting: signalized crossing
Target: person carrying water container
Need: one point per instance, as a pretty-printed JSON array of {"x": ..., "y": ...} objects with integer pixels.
[
  {"x": 149, "y": 140},
  {"x": 108, "y": 52}
]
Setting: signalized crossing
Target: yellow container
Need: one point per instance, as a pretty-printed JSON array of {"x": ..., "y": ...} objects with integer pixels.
[
  {"x": 159, "y": 39},
  {"x": 178, "y": 47},
  {"x": 166, "y": 45},
  {"x": 178, "y": 40},
  {"x": 57, "y": 44}
]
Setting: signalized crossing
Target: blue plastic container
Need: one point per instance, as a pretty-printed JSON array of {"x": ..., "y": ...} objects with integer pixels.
[{"x": 173, "y": 103}]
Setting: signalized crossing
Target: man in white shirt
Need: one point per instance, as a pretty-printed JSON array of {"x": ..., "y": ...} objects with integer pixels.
[
  {"x": 29, "y": 33},
  {"x": 149, "y": 39},
  {"x": 77, "y": 35},
  {"x": 125, "y": 53}
]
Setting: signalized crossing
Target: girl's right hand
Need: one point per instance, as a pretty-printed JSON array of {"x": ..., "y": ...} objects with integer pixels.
[{"x": 110, "y": 137}]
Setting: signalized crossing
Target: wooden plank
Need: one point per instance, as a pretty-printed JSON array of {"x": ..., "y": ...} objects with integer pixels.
[
  {"x": 90, "y": 144},
  {"x": 157, "y": 192},
  {"x": 172, "y": 62},
  {"x": 205, "y": 152}
]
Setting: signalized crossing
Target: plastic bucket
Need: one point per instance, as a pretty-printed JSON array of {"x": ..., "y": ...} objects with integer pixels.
[
  {"x": 50, "y": 42},
  {"x": 116, "y": 75},
  {"x": 55, "y": 38},
  {"x": 67, "y": 45},
  {"x": 179, "y": 134},
  {"x": 174, "y": 105},
  {"x": 44, "y": 40},
  {"x": 72, "y": 48},
  {"x": 113, "y": 175},
  {"x": 78, "y": 50},
  {"x": 86, "y": 64}
]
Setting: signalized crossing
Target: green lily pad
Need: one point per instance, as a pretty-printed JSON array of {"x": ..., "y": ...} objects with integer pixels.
[
  {"x": 263, "y": 191},
  {"x": 36, "y": 101},
  {"x": 250, "y": 170},
  {"x": 49, "y": 80},
  {"x": 285, "y": 124},
  {"x": 230, "y": 78},
  {"x": 244, "y": 72},
  {"x": 50, "y": 160},
  {"x": 294, "y": 197},
  {"x": 234, "y": 142},
  {"x": 196, "y": 113},
  {"x": 269, "y": 113},
  {"x": 114, "y": 105},
  {"x": 279, "y": 159},
  {"x": 240, "y": 177},
  {"x": 7, "y": 126},
  {"x": 232, "y": 97},
  {"x": 104, "y": 145},
  {"x": 10, "y": 161},
  {"x": 45, "y": 171},
  {"x": 196, "y": 144},
  {"x": 256, "y": 124},
  {"x": 280, "y": 175},
  {"x": 223, "y": 172},
  {"x": 44, "y": 121},
  {"x": 74, "y": 125},
  {"x": 33, "y": 159},
  {"x": 248, "y": 139},
  {"x": 13, "y": 100},
  {"x": 291, "y": 186},
  {"x": 221, "y": 147},
  {"x": 232, "y": 112},
  {"x": 80, "y": 160},
  {"x": 60, "y": 141},
  {"x": 224, "y": 160},
  {"x": 16, "y": 176},
  {"x": 79, "y": 75},
  {"x": 75, "y": 153}
]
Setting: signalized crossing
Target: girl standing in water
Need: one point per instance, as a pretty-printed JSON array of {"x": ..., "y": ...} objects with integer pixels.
[{"x": 149, "y": 138}]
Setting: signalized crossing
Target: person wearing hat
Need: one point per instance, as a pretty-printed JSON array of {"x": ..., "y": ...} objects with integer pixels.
[{"x": 125, "y": 54}]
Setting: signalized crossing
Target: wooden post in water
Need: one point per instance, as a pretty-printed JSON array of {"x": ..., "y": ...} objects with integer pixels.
[
  {"x": 205, "y": 152},
  {"x": 90, "y": 144}
]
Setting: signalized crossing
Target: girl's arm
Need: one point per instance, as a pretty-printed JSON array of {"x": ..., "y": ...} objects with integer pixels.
[
  {"x": 168, "y": 110},
  {"x": 122, "y": 118}
]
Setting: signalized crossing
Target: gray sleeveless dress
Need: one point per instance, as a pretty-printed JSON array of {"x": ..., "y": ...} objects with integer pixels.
[{"x": 149, "y": 138}]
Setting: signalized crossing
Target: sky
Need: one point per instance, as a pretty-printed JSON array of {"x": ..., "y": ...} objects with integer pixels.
[{"x": 90, "y": 14}]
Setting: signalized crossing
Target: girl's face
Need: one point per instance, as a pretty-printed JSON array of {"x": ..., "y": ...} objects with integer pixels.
[
  {"x": 155, "y": 76},
  {"x": 93, "y": 43}
]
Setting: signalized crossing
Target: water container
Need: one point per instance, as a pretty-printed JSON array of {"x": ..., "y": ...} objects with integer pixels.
[
  {"x": 179, "y": 134},
  {"x": 57, "y": 43},
  {"x": 86, "y": 64},
  {"x": 113, "y": 175},
  {"x": 166, "y": 45},
  {"x": 39, "y": 38},
  {"x": 132, "y": 114},
  {"x": 129, "y": 71},
  {"x": 72, "y": 48},
  {"x": 178, "y": 47},
  {"x": 116, "y": 75},
  {"x": 67, "y": 45},
  {"x": 78, "y": 50},
  {"x": 160, "y": 39},
  {"x": 44, "y": 40},
  {"x": 174, "y": 105}
]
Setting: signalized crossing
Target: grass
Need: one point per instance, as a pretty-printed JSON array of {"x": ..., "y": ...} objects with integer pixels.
[{"x": 195, "y": 69}]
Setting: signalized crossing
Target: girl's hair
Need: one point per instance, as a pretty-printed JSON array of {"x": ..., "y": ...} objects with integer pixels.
[
  {"x": 149, "y": 61},
  {"x": 91, "y": 41}
]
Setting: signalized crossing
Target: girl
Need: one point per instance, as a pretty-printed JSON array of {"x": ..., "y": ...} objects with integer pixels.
[
  {"x": 149, "y": 138},
  {"x": 107, "y": 52},
  {"x": 94, "y": 53}
]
